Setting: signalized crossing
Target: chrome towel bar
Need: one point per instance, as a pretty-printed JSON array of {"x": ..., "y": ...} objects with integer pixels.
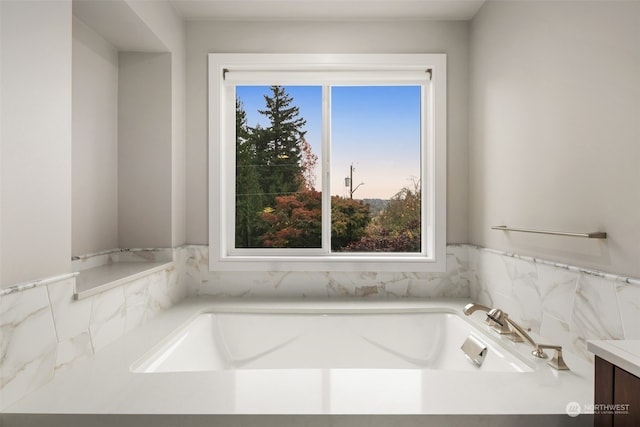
[{"x": 594, "y": 235}]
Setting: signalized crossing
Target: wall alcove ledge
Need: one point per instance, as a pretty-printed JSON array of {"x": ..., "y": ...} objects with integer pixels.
[{"x": 106, "y": 270}]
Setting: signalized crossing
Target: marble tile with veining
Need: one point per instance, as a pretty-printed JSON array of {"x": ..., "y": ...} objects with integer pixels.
[
  {"x": 108, "y": 315},
  {"x": 596, "y": 314},
  {"x": 370, "y": 284},
  {"x": 349, "y": 284},
  {"x": 27, "y": 343},
  {"x": 369, "y": 291},
  {"x": 176, "y": 277},
  {"x": 420, "y": 286},
  {"x": 159, "y": 294},
  {"x": 337, "y": 289},
  {"x": 492, "y": 273},
  {"x": 433, "y": 285},
  {"x": 352, "y": 279},
  {"x": 461, "y": 252},
  {"x": 457, "y": 260},
  {"x": 136, "y": 296},
  {"x": 326, "y": 284},
  {"x": 558, "y": 290},
  {"x": 196, "y": 268},
  {"x": 237, "y": 284},
  {"x": 398, "y": 288},
  {"x": 212, "y": 289},
  {"x": 215, "y": 285},
  {"x": 73, "y": 350},
  {"x": 477, "y": 290},
  {"x": 482, "y": 296},
  {"x": 558, "y": 332},
  {"x": 525, "y": 291},
  {"x": 508, "y": 304},
  {"x": 382, "y": 285},
  {"x": 629, "y": 303},
  {"x": 70, "y": 317},
  {"x": 305, "y": 284},
  {"x": 453, "y": 289},
  {"x": 473, "y": 253}
]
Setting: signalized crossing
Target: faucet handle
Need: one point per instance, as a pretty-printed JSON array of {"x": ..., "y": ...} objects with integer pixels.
[
  {"x": 497, "y": 319},
  {"x": 557, "y": 361}
]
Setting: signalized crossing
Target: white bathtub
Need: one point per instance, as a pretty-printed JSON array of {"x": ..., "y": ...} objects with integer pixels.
[
  {"x": 237, "y": 341},
  {"x": 212, "y": 359}
]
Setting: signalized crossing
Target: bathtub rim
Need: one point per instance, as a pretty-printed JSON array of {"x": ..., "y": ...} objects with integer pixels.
[{"x": 108, "y": 387}]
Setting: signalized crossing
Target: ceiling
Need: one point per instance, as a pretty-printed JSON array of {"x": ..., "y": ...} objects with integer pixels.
[
  {"x": 117, "y": 23},
  {"x": 327, "y": 9}
]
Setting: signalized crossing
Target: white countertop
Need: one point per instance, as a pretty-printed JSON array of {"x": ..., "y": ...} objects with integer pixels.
[
  {"x": 104, "y": 383},
  {"x": 622, "y": 353}
]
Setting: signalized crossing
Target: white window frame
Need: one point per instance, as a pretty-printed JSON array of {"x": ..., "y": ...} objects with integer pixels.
[{"x": 309, "y": 69}]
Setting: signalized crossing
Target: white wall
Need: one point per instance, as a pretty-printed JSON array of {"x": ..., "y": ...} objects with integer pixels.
[
  {"x": 144, "y": 150},
  {"x": 554, "y": 130},
  {"x": 339, "y": 37},
  {"x": 168, "y": 26},
  {"x": 95, "y": 142},
  {"x": 36, "y": 140}
]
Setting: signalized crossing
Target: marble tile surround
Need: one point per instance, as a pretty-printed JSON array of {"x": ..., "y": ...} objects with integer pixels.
[
  {"x": 454, "y": 283},
  {"x": 567, "y": 305},
  {"x": 44, "y": 331}
]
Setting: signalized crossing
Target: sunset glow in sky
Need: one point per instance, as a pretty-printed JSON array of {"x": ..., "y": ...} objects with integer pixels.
[{"x": 375, "y": 128}]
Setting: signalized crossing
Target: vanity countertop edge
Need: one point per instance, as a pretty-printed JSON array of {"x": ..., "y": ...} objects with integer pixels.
[{"x": 622, "y": 353}]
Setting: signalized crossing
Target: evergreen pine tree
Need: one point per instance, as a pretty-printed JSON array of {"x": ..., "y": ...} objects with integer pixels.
[
  {"x": 249, "y": 197},
  {"x": 279, "y": 146}
]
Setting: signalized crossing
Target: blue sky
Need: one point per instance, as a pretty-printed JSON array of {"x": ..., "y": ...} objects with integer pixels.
[{"x": 375, "y": 128}]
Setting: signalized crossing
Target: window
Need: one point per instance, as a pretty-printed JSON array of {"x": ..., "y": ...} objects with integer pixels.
[{"x": 327, "y": 162}]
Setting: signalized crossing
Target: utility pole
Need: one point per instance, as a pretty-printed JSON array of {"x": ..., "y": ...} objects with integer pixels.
[
  {"x": 351, "y": 181},
  {"x": 348, "y": 182}
]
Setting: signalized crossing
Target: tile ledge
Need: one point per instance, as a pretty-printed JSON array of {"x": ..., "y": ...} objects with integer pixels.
[
  {"x": 105, "y": 277},
  {"x": 116, "y": 251}
]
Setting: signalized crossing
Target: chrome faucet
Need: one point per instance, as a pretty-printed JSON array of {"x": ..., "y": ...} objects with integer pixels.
[
  {"x": 557, "y": 361},
  {"x": 502, "y": 323}
]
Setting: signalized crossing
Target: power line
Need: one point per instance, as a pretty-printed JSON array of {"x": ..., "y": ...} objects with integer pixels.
[{"x": 269, "y": 194}]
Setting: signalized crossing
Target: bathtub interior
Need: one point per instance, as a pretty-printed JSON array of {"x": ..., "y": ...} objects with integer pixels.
[{"x": 252, "y": 341}]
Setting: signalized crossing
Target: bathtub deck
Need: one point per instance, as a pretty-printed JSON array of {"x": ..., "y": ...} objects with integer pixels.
[{"x": 105, "y": 384}]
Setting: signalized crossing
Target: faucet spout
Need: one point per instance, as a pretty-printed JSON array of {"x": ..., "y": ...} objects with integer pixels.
[
  {"x": 496, "y": 325},
  {"x": 473, "y": 307}
]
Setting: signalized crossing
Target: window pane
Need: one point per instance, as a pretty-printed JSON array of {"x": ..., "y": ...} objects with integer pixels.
[
  {"x": 375, "y": 168},
  {"x": 278, "y": 140}
]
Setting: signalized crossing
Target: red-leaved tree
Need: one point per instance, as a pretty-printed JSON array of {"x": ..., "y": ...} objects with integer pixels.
[{"x": 295, "y": 221}]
